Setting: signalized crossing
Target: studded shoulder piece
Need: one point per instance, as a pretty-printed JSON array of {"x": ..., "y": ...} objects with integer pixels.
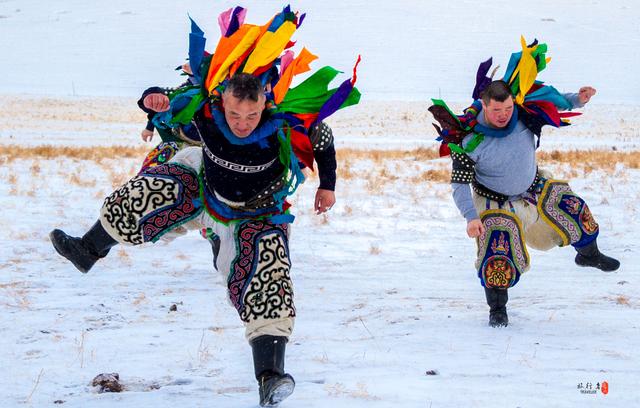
[
  {"x": 462, "y": 171},
  {"x": 321, "y": 137}
]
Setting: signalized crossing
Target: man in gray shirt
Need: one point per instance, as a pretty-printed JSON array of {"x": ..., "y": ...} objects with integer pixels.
[{"x": 512, "y": 198}]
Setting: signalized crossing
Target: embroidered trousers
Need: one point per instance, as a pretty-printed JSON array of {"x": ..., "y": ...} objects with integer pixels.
[
  {"x": 553, "y": 216},
  {"x": 163, "y": 202}
]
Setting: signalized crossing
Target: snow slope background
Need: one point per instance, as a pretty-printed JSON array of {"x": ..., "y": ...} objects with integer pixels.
[
  {"x": 385, "y": 287},
  {"x": 412, "y": 49}
]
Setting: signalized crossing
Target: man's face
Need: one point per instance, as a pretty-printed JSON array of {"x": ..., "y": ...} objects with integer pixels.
[
  {"x": 242, "y": 116},
  {"x": 498, "y": 114}
]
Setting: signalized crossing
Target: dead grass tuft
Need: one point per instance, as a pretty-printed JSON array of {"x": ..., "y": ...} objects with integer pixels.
[
  {"x": 623, "y": 300},
  {"x": 12, "y": 284},
  {"x": 344, "y": 171},
  {"x": 438, "y": 176},
  {"x": 141, "y": 298},
  {"x": 122, "y": 254},
  {"x": 118, "y": 177},
  {"x": 361, "y": 392},
  {"x": 74, "y": 178},
  {"x": 35, "y": 169},
  {"x": 19, "y": 297}
]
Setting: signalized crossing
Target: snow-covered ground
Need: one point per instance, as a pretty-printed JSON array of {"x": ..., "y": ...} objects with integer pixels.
[{"x": 385, "y": 287}]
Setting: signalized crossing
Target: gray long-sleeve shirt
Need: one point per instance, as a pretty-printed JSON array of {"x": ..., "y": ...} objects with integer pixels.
[{"x": 506, "y": 165}]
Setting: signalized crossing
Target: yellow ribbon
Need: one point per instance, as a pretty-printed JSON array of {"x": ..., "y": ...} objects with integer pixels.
[
  {"x": 269, "y": 47},
  {"x": 244, "y": 39},
  {"x": 527, "y": 71}
]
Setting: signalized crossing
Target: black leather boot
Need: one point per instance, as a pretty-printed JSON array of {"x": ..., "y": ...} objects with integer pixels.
[
  {"x": 83, "y": 252},
  {"x": 268, "y": 360},
  {"x": 497, "y": 300},
  {"x": 590, "y": 255}
]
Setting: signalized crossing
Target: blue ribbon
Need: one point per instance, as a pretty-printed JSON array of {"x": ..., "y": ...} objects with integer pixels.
[
  {"x": 492, "y": 132},
  {"x": 196, "y": 49},
  {"x": 259, "y": 135}
]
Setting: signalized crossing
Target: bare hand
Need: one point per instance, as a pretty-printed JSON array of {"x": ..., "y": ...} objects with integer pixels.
[
  {"x": 147, "y": 135},
  {"x": 156, "y": 102},
  {"x": 585, "y": 93},
  {"x": 325, "y": 199},
  {"x": 475, "y": 228}
]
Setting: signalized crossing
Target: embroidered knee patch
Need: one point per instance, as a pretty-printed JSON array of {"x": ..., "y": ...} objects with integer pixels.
[
  {"x": 160, "y": 155},
  {"x": 567, "y": 214},
  {"x": 259, "y": 284},
  {"x": 501, "y": 250},
  {"x": 156, "y": 201}
]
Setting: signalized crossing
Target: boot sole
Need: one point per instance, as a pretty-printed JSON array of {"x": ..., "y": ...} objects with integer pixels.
[
  {"x": 280, "y": 393},
  {"x": 499, "y": 319}
]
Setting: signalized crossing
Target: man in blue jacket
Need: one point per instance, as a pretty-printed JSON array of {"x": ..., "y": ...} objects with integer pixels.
[{"x": 513, "y": 202}]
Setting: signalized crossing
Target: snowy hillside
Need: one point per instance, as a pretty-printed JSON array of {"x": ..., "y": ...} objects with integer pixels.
[{"x": 412, "y": 49}]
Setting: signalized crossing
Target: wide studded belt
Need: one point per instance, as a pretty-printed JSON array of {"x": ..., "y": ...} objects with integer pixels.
[{"x": 481, "y": 190}]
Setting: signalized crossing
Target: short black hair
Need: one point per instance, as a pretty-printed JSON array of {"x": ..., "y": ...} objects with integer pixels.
[
  {"x": 245, "y": 86},
  {"x": 497, "y": 90}
]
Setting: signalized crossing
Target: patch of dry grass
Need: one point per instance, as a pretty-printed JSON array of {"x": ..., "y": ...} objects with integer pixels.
[
  {"x": 75, "y": 179},
  {"x": 360, "y": 392},
  {"x": 124, "y": 256},
  {"x": 141, "y": 298},
  {"x": 345, "y": 156},
  {"x": 439, "y": 176},
  {"x": 35, "y": 169},
  {"x": 383, "y": 166},
  {"x": 595, "y": 159},
  {"x": 16, "y": 295},
  {"x": 378, "y": 155},
  {"x": 12, "y": 284},
  {"x": 81, "y": 109},
  {"x": 47, "y": 152},
  {"x": 623, "y": 300}
]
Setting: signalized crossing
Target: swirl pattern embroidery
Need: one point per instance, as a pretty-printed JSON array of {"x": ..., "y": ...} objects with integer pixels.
[
  {"x": 152, "y": 203},
  {"x": 260, "y": 284}
]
